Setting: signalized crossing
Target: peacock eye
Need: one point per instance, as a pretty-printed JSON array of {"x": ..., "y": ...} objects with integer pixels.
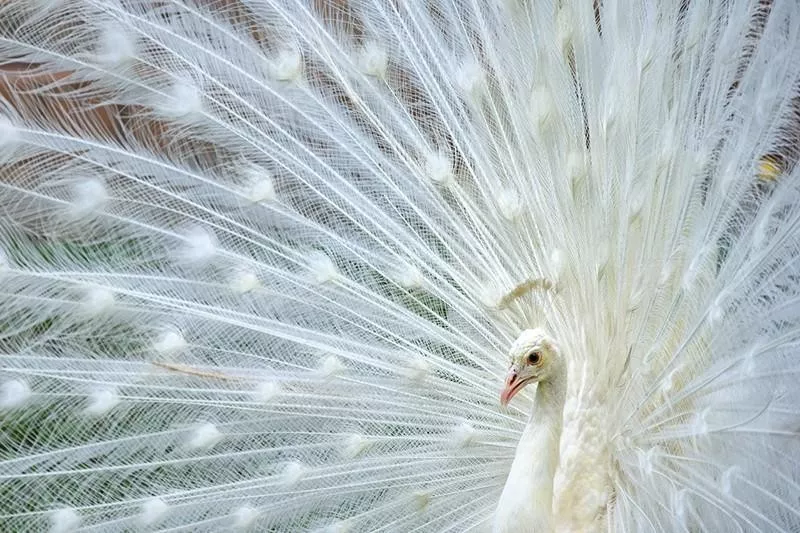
[{"x": 534, "y": 358}]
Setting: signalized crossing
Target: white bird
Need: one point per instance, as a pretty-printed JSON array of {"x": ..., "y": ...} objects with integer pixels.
[
  {"x": 525, "y": 504},
  {"x": 262, "y": 262}
]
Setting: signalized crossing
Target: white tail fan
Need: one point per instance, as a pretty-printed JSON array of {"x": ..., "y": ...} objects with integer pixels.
[{"x": 262, "y": 265}]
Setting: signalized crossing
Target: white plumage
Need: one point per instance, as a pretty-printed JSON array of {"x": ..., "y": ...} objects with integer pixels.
[
  {"x": 262, "y": 262},
  {"x": 525, "y": 503}
]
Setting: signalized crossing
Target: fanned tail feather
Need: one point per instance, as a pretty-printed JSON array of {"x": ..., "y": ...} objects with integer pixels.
[{"x": 260, "y": 262}]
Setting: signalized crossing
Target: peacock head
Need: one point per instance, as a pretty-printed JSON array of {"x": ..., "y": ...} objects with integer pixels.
[{"x": 534, "y": 358}]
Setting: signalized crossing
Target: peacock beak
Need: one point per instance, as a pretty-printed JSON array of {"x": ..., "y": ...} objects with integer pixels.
[{"x": 511, "y": 387}]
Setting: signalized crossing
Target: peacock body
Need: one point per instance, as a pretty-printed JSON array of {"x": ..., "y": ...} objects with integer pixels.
[{"x": 263, "y": 263}]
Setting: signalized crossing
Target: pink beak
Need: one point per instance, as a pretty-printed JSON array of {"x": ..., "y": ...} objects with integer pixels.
[{"x": 512, "y": 387}]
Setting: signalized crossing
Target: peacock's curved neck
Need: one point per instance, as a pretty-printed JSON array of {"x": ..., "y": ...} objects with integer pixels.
[
  {"x": 526, "y": 502},
  {"x": 548, "y": 410}
]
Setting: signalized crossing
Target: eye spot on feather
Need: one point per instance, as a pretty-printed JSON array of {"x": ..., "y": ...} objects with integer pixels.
[
  {"x": 65, "y": 520},
  {"x": 115, "y": 47},
  {"x": 322, "y": 267},
  {"x": 260, "y": 187},
  {"x": 671, "y": 382},
  {"x": 699, "y": 425},
  {"x": 557, "y": 262},
  {"x": 266, "y": 392},
  {"x": 373, "y": 60},
  {"x": 577, "y": 171},
  {"x": 716, "y": 311},
  {"x": 636, "y": 209},
  {"x": 509, "y": 203},
  {"x": 440, "y": 169},
  {"x": 293, "y": 473},
  {"x": 244, "y": 517},
  {"x": 417, "y": 370},
  {"x": 565, "y": 24},
  {"x": 421, "y": 500},
  {"x": 354, "y": 445},
  {"x": 409, "y": 276},
  {"x": 262, "y": 191},
  {"x": 463, "y": 435},
  {"x": 611, "y": 113},
  {"x": 471, "y": 80},
  {"x": 14, "y": 393},
  {"x": 98, "y": 301},
  {"x": 170, "y": 343},
  {"x": 153, "y": 511},
  {"x": 89, "y": 196},
  {"x": 200, "y": 245},
  {"x": 244, "y": 281},
  {"x": 288, "y": 65},
  {"x": 329, "y": 368},
  {"x": 184, "y": 100},
  {"x": 101, "y": 402},
  {"x": 204, "y": 437},
  {"x": 542, "y": 106}
]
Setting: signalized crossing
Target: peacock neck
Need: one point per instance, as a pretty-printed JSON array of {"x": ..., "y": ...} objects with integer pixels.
[
  {"x": 526, "y": 502},
  {"x": 548, "y": 410}
]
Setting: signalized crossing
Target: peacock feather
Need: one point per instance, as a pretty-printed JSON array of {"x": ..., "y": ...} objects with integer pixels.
[{"x": 263, "y": 264}]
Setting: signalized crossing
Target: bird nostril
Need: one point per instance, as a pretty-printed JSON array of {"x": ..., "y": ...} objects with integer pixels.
[{"x": 511, "y": 378}]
